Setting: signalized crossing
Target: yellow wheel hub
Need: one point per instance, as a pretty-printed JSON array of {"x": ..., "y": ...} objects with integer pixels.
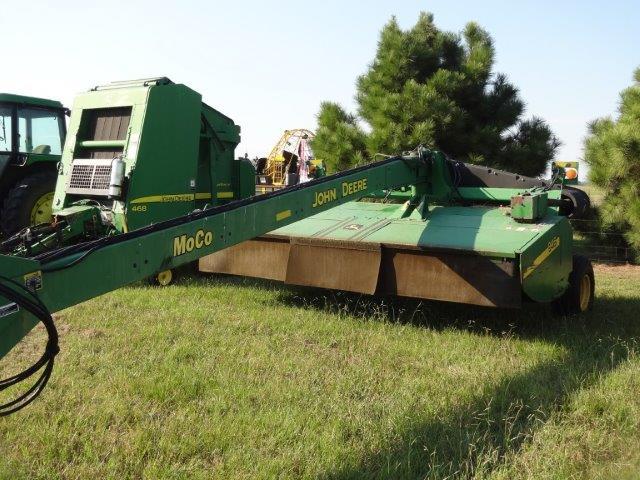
[
  {"x": 585, "y": 292},
  {"x": 164, "y": 278},
  {"x": 42, "y": 210}
]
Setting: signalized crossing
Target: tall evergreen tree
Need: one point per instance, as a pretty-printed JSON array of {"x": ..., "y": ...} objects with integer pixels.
[
  {"x": 339, "y": 141},
  {"x": 426, "y": 86},
  {"x": 612, "y": 150}
]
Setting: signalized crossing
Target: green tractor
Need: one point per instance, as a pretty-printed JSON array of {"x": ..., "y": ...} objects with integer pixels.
[{"x": 32, "y": 133}]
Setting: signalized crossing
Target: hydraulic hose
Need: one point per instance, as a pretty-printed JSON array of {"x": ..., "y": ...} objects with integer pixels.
[{"x": 28, "y": 300}]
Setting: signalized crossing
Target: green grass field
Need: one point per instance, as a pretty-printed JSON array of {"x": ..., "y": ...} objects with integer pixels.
[{"x": 235, "y": 378}]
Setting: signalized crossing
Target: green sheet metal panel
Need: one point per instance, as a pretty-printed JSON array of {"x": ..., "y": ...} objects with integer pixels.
[
  {"x": 482, "y": 230},
  {"x": 167, "y": 136},
  {"x": 546, "y": 262}
]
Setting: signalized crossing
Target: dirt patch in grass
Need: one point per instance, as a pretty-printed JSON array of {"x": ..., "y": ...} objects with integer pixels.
[{"x": 624, "y": 270}]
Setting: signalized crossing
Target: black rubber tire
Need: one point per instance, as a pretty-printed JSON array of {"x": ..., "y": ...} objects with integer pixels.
[
  {"x": 570, "y": 302},
  {"x": 578, "y": 203},
  {"x": 20, "y": 200}
]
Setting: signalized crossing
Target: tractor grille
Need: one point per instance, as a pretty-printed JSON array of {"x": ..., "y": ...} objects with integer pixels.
[{"x": 90, "y": 177}]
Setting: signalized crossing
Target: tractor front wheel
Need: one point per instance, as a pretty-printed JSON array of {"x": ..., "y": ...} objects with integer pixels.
[
  {"x": 29, "y": 202},
  {"x": 579, "y": 295}
]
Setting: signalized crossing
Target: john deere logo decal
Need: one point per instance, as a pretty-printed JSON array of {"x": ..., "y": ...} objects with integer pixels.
[
  {"x": 553, "y": 244},
  {"x": 324, "y": 197},
  {"x": 330, "y": 195}
]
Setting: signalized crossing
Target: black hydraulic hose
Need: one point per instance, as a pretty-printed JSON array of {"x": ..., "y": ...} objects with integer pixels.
[
  {"x": 31, "y": 303},
  {"x": 454, "y": 169}
]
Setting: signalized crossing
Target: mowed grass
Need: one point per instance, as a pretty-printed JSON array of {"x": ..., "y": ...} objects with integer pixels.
[{"x": 223, "y": 377}]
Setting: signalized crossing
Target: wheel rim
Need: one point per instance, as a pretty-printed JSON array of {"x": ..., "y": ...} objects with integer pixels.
[
  {"x": 42, "y": 210},
  {"x": 164, "y": 278},
  {"x": 585, "y": 292}
]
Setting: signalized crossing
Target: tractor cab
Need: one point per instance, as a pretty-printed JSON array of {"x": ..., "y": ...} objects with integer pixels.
[{"x": 32, "y": 133}]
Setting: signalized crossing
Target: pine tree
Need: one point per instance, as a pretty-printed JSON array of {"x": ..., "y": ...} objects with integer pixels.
[
  {"x": 436, "y": 88},
  {"x": 339, "y": 141},
  {"x": 612, "y": 150}
]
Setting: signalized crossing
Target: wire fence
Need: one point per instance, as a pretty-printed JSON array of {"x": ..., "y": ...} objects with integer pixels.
[{"x": 601, "y": 244}]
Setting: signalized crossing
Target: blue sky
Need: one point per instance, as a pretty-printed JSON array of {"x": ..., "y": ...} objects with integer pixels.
[{"x": 268, "y": 65}]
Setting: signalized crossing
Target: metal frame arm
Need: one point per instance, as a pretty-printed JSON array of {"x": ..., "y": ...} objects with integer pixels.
[{"x": 74, "y": 274}]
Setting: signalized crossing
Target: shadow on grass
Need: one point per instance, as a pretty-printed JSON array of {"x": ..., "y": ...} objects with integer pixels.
[{"x": 476, "y": 438}]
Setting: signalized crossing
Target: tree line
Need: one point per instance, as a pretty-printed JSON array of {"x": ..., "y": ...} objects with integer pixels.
[{"x": 439, "y": 88}]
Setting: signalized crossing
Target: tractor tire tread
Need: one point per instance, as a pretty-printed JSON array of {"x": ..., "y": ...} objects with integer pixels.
[{"x": 12, "y": 213}]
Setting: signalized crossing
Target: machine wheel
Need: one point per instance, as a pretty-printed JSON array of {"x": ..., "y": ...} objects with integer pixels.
[
  {"x": 29, "y": 202},
  {"x": 163, "y": 278},
  {"x": 577, "y": 203},
  {"x": 579, "y": 295}
]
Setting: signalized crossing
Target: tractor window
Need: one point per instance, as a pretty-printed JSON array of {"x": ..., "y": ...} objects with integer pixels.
[
  {"x": 5, "y": 129},
  {"x": 39, "y": 131}
]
